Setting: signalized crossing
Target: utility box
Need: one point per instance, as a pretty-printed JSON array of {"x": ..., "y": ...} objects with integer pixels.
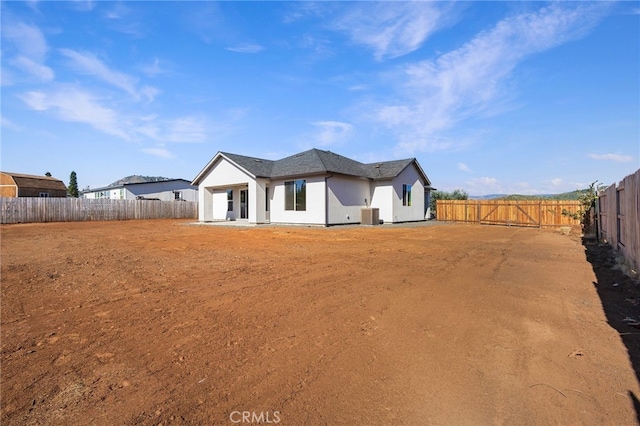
[{"x": 370, "y": 216}]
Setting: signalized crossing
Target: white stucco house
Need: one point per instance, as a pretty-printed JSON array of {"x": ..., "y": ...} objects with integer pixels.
[
  {"x": 164, "y": 190},
  {"x": 314, "y": 187}
]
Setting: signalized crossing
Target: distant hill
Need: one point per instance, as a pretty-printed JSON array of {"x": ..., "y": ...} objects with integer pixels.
[
  {"x": 487, "y": 197},
  {"x": 138, "y": 179},
  {"x": 573, "y": 195}
]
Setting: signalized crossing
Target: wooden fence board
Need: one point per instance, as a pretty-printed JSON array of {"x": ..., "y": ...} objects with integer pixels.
[
  {"x": 619, "y": 218},
  {"x": 529, "y": 213},
  {"x": 26, "y": 210}
]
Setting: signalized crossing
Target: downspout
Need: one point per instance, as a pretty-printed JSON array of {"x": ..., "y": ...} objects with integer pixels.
[
  {"x": 596, "y": 216},
  {"x": 326, "y": 200}
]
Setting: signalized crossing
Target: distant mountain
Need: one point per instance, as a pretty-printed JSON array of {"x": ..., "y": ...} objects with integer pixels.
[
  {"x": 138, "y": 179},
  {"x": 572, "y": 195},
  {"x": 487, "y": 197}
]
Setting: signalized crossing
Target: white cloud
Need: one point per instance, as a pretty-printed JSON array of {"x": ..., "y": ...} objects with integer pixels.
[
  {"x": 470, "y": 81},
  {"x": 158, "y": 152},
  {"x": 464, "y": 167},
  {"x": 483, "y": 185},
  {"x": 391, "y": 29},
  {"x": 88, "y": 63},
  {"x": 612, "y": 157},
  {"x": 75, "y": 105},
  {"x": 490, "y": 185},
  {"x": 332, "y": 132},
  {"x": 246, "y": 48},
  {"x": 186, "y": 129},
  {"x": 358, "y": 88},
  {"x": 30, "y": 49},
  {"x": 39, "y": 71},
  {"x": 118, "y": 11},
  {"x": 83, "y": 5},
  {"x": 123, "y": 19},
  {"x": 150, "y": 92},
  {"x": 8, "y": 124},
  {"x": 179, "y": 130},
  {"x": 28, "y": 39},
  {"x": 153, "y": 69}
]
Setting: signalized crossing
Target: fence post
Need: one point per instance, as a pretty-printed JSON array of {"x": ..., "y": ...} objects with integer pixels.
[{"x": 540, "y": 214}]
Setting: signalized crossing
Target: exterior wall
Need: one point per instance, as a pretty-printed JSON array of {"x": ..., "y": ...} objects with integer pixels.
[
  {"x": 346, "y": 196},
  {"x": 382, "y": 194},
  {"x": 387, "y": 196},
  {"x": 219, "y": 205},
  {"x": 315, "y": 213},
  {"x": 162, "y": 190},
  {"x": 224, "y": 174},
  {"x": 409, "y": 176},
  {"x": 8, "y": 187},
  {"x": 36, "y": 192},
  {"x": 117, "y": 193},
  {"x": 213, "y": 192},
  {"x": 257, "y": 200},
  {"x": 205, "y": 204}
]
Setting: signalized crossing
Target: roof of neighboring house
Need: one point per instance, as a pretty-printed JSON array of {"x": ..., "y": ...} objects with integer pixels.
[
  {"x": 36, "y": 182},
  {"x": 313, "y": 161},
  {"x": 105, "y": 188}
]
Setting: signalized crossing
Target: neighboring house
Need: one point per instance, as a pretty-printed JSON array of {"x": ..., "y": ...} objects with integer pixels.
[
  {"x": 21, "y": 185},
  {"x": 313, "y": 187},
  {"x": 164, "y": 190}
]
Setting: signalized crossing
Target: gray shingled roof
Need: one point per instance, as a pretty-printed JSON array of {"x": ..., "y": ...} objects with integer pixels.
[
  {"x": 319, "y": 161},
  {"x": 259, "y": 167},
  {"x": 387, "y": 169}
]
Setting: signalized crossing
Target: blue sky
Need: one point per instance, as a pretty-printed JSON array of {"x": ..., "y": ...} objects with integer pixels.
[{"x": 491, "y": 97}]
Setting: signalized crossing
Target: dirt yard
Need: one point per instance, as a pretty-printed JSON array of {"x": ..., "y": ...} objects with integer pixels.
[{"x": 162, "y": 322}]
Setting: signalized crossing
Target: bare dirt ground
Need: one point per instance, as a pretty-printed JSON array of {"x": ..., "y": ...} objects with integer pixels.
[{"x": 149, "y": 322}]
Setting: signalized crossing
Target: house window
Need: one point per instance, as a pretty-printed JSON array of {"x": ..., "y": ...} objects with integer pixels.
[
  {"x": 406, "y": 195},
  {"x": 44, "y": 194},
  {"x": 295, "y": 195},
  {"x": 177, "y": 195},
  {"x": 229, "y": 200},
  {"x": 266, "y": 199}
]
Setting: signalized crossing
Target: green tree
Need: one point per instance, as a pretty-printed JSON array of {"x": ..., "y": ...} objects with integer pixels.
[
  {"x": 456, "y": 194},
  {"x": 587, "y": 201},
  {"x": 72, "y": 190},
  {"x": 48, "y": 174}
]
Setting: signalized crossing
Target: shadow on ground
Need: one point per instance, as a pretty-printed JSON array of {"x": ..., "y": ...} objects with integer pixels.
[{"x": 620, "y": 297}]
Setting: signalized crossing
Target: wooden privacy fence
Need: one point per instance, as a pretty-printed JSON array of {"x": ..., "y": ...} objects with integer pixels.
[
  {"x": 26, "y": 210},
  {"x": 531, "y": 213},
  {"x": 619, "y": 218}
]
